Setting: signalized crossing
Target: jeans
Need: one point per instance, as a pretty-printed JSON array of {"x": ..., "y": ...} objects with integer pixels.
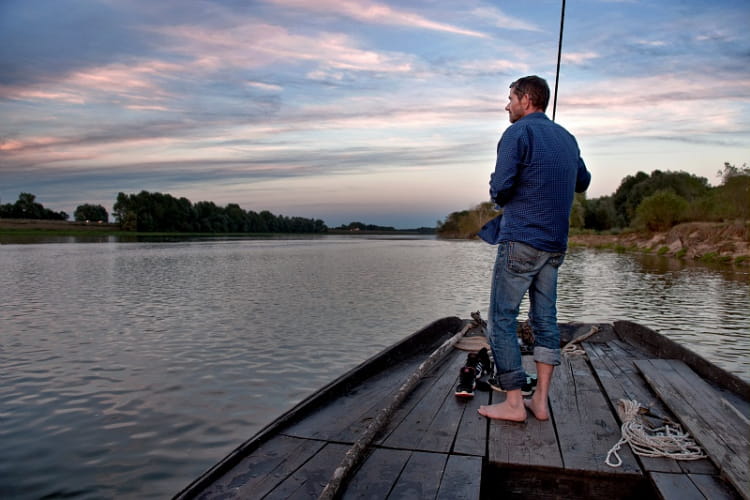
[{"x": 520, "y": 268}]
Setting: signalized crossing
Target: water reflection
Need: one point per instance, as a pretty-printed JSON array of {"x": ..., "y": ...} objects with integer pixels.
[{"x": 129, "y": 368}]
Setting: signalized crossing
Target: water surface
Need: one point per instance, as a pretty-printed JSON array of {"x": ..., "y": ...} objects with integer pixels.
[{"x": 127, "y": 369}]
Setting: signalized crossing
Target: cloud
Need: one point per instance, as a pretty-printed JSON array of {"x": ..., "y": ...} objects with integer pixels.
[
  {"x": 376, "y": 13},
  {"x": 578, "y": 57},
  {"x": 255, "y": 45},
  {"x": 496, "y": 17}
]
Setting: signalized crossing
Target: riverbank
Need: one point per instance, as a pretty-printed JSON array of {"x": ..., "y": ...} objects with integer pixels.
[
  {"x": 726, "y": 242},
  {"x": 17, "y": 225}
]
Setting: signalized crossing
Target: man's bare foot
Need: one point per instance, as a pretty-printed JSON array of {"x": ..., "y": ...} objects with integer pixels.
[
  {"x": 503, "y": 411},
  {"x": 538, "y": 408}
]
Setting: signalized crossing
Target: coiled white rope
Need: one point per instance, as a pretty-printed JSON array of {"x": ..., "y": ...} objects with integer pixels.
[{"x": 668, "y": 440}]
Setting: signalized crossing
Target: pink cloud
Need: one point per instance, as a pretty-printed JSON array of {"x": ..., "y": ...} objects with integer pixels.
[
  {"x": 377, "y": 13},
  {"x": 256, "y": 44}
]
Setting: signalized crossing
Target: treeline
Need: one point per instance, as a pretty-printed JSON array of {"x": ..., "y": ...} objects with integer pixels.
[
  {"x": 359, "y": 226},
  {"x": 26, "y": 207},
  {"x": 642, "y": 202},
  {"x": 157, "y": 212}
]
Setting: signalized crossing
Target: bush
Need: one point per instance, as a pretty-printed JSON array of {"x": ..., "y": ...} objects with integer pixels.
[
  {"x": 88, "y": 212},
  {"x": 660, "y": 211},
  {"x": 467, "y": 223}
]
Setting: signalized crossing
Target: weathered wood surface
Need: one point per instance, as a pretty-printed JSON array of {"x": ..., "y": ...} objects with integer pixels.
[
  {"x": 345, "y": 418},
  {"x": 530, "y": 444},
  {"x": 721, "y": 431},
  {"x": 620, "y": 379},
  {"x": 270, "y": 465},
  {"x": 585, "y": 424},
  {"x": 437, "y": 446},
  {"x": 430, "y": 418},
  {"x": 661, "y": 347}
]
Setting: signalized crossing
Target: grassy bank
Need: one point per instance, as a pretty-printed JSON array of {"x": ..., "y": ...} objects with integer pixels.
[{"x": 724, "y": 242}]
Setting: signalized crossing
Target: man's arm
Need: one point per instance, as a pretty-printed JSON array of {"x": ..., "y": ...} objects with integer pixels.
[
  {"x": 583, "y": 178},
  {"x": 503, "y": 179}
]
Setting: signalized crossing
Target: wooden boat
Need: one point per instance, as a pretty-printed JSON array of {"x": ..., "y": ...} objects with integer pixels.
[{"x": 435, "y": 445}]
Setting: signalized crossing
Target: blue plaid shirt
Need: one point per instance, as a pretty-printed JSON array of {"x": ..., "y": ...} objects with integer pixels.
[{"x": 538, "y": 169}]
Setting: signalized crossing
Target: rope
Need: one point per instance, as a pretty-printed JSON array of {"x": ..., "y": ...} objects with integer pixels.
[
  {"x": 668, "y": 440},
  {"x": 357, "y": 451},
  {"x": 573, "y": 347}
]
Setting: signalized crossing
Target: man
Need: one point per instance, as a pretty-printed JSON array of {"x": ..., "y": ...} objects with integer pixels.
[{"x": 538, "y": 170}]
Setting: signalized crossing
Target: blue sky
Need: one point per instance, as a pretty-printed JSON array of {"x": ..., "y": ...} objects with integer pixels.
[{"x": 382, "y": 112}]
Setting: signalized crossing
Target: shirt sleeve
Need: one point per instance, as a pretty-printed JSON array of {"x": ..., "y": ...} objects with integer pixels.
[
  {"x": 510, "y": 153},
  {"x": 583, "y": 178}
]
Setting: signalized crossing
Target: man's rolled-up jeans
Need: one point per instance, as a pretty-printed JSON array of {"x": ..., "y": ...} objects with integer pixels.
[{"x": 520, "y": 268}]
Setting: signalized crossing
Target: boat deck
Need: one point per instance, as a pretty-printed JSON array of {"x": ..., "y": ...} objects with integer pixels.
[{"x": 436, "y": 445}]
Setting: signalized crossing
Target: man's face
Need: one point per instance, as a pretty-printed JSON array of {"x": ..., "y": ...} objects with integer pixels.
[{"x": 516, "y": 107}]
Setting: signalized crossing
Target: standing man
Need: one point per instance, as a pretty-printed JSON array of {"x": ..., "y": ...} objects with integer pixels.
[{"x": 538, "y": 170}]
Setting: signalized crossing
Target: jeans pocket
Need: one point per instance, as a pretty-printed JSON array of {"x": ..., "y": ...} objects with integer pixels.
[
  {"x": 522, "y": 258},
  {"x": 556, "y": 260}
]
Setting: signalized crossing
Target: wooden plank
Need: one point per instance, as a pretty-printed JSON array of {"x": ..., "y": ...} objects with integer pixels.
[
  {"x": 666, "y": 348},
  {"x": 676, "y": 487},
  {"x": 462, "y": 479},
  {"x": 309, "y": 480},
  {"x": 421, "y": 477},
  {"x": 621, "y": 380},
  {"x": 471, "y": 436},
  {"x": 346, "y": 418},
  {"x": 713, "y": 487},
  {"x": 430, "y": 417},
  {"x": 614, "y": 366},
  {"x": 265, "y": 468},
  {"x": 586, "y": 427},
  {"x": 532, "y": 443},
  {"x": 377, "y": 475},
  {"x": 723, "y": 433}
]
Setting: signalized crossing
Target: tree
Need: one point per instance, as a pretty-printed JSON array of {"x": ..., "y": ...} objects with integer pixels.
[
  {"x": 26, "y": 207},
  {"x": 600, "y": 214},
  {"x": 89, "y": 212},
  {"x": 732, "y": 198},
  {"x": 578, "y": 211},
  {"x": 633, "y": 190},
  {"x": 124, "y": 212}
]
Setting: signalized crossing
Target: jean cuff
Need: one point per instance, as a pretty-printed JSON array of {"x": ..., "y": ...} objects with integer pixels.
[
  {"x": 512, "y": 380},
  {"x": 546, "y": 355}
]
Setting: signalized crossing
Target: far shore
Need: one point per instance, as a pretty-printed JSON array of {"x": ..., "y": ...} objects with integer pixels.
[
  {"x": 56, "y": 225},
  {"x": 725, "y": 242}
]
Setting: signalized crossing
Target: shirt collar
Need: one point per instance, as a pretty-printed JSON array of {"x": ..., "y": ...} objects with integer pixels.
[{"x": 537, "y": 115}]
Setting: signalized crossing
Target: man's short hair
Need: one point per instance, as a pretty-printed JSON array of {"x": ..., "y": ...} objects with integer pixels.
[{"x": 535, "y": 87}]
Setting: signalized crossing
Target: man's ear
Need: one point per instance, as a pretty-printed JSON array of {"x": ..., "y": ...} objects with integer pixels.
[{"x": 526, "y": 102}]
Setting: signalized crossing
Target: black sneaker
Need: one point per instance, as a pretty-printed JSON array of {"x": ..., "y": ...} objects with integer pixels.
[
  {"x": 527, "y": 389},
  {"x": 480, "y": 361},
  {"x": 467, "y": 382}
]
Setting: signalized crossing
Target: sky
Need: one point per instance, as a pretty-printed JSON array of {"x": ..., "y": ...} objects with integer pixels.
[{"x": 384, "y": 112}]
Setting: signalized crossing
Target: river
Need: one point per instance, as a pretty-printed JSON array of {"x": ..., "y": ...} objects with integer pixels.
[{"x": 128, "y": 368}]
